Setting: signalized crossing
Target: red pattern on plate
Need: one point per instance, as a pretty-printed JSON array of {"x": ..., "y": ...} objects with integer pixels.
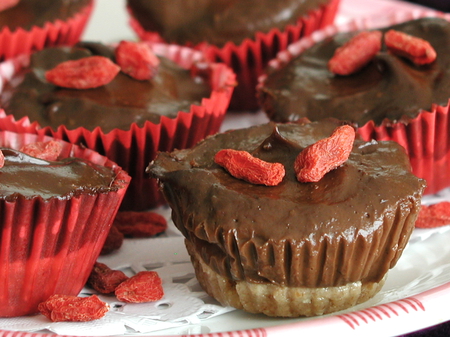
[{"x": 381, "y": 312}]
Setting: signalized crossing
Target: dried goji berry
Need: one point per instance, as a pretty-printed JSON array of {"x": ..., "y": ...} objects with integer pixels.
[
  {"x": 104, "y": 279},
  {"x": 414, "y": 48},
  {"x": 356, "y": 53},
  {"x": 140, "y": 224},
  {"x": 43, "y": 150},
  {"x": 433, "y": 216},
  {"x": 85, "y": 73},
  {"x": 137, "y": 59},
  {"x": 62, "y": 308},
  {"x": 145, "y": 286},
  {"x": 5, "y": 4},
  {"x": 2, "y": 159},
  {"x": 325, "y": 155},
  {"x": 242, "y": 165},
  {"x": 113, "y": 241}
]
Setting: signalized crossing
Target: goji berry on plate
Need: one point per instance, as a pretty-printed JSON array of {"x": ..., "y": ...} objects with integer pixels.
[
  {"x": 140, "y": 224},
  {"x": 242, "y": 165},
  {"x": 113, "y": 241},
  {"x": 66, "y": 308},
  {"x": 104, "y": 279},
  {"x": 414, "y": 48},
  {"x": 432, "y": 216},
  {"x": 85, "y": 73},
  {"x": 356, "y": 53},
  {"x": 145, "y": 286},
  {"x": 137, "y": 59},
  {"x": 43, "y": 150},
  {"x": 317, "y": 159}
]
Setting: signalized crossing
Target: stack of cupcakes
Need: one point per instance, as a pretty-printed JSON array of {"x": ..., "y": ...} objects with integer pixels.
[{"x": 245, "y": 35}]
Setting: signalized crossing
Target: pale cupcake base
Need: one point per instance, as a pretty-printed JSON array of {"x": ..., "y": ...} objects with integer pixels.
[{"x": 280, "y": 301}]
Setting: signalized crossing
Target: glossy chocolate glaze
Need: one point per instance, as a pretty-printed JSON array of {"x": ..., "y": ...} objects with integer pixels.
[
  {"x": 116, "y": 105},
  {"x": 350, "y": 226},
  {"x": 27, "y": 176},
  {"x": 390, "y": 87},
  {"x": 217, "y": 21},
  {"x": 29, "y": 13}
]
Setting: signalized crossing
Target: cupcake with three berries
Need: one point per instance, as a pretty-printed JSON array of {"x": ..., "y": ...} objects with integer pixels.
[
  {"x": 392, "y": 83},
  {"x": 244, "y": 34},
  {"x": 57, "y": 203},
  {"x": 29, "y": 25},
  {"x": 292, "y": 219},
  {"x": 127, "y": 102}
]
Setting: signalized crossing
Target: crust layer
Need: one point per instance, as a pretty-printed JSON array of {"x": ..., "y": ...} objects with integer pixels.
[{"x": 280, "y": 301}]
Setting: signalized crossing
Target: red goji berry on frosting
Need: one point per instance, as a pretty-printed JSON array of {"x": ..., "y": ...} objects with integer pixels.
[
  {"x": 49, "y": 150},
  {"x": 356, "y": 53},
  {"x": 416, "y": 49},
  {"x": 242, "y": 165},
  {"x": 137, "y": 59},
  {"x": 85, "y": 73},
  {"x": 319, "y": 158}
]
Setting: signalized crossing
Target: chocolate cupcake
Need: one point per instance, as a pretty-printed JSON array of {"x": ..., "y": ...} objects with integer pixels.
[
  {"x": 30, "y": 25},
  {"x": 243, "y": 34},
  {"x": 294, "y": 249},
  {"x": 55, "y": 215},
  {"x": 128, "y": 120},
  {"x": 390, "y": 98}
]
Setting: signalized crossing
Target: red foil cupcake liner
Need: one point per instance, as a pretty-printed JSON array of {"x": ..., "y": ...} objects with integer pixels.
[
  {"x": 249, "y": 59},
  {"x": 426, "y": 138},
  {"x": 50, "y": 246},
  {"x": 21, "y": 41},
  {"x": 134, "y": 149}
]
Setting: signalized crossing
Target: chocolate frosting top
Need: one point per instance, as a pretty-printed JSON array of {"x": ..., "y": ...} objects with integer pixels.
[
  {"x": 217, "y": 21},
  {"x": 117, "y": 104},
  {"x": 390, "y": 87},
  {"x": 29, "y": 13},
  {"x": 350, "y": 226},
  {"x": 23, "y": 175}
]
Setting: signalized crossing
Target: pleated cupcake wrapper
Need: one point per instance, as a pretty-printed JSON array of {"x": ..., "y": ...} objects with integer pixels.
[
  {"x": 249, "y": 58},
  {"x": 134, "y": 149},
  {"x": 426, "y": 138},
  {"x": 314, "y": 263},
  {"x": 25, "y": 41},
  {"x": 50, "y": 246}
]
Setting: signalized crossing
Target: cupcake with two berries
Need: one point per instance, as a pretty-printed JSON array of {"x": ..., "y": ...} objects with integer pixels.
[
  {"x": 244, "y": 34},
  {"x": 127, "y": 102},
  {"x": 57, "y": 202},
  {"x": 292, "y": 219},
  {"x": 30, "y": 25},
  {"x": 390, "y": 82}
]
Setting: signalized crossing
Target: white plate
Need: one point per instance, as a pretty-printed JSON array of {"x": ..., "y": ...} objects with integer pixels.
[{"x": 416, "y": 292}]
